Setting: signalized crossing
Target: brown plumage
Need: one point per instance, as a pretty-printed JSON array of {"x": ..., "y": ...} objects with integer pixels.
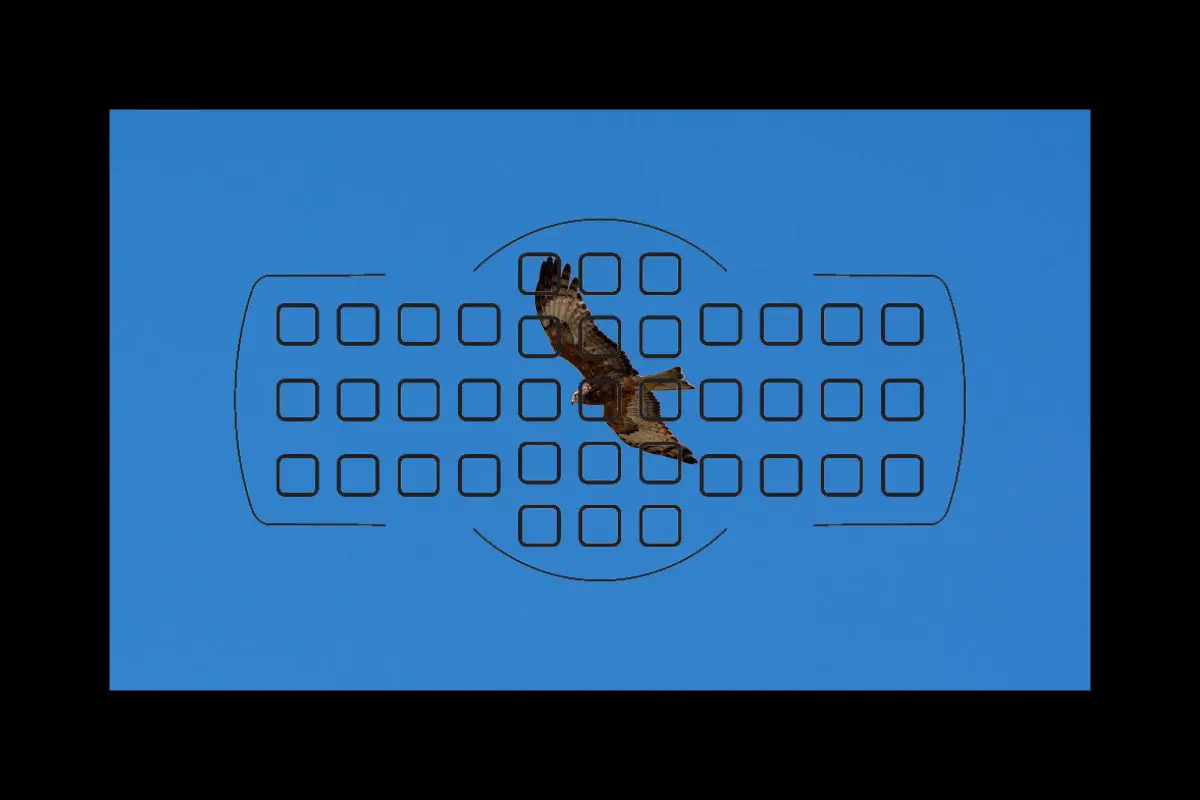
[{"x": 609, "y": 379}]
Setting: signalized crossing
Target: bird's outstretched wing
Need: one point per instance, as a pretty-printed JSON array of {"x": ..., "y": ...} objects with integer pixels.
[
  {"x": 637, "y": 420},
  {"x": 574, "y": 334},
  {"x": 572, "y": 331}
]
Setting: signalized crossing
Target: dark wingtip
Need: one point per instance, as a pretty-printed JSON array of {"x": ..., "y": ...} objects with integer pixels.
[{"x": 688, "y": 458}]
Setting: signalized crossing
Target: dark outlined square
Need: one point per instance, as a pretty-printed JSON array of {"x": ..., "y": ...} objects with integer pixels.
[
  {"x": 301, "y": 461},
  {"x": 602, "y": 385},
  {"x": 356, "y": 462},
  {"x": 762, "y": 325},
  {"x": 536, "y": 259},
  {"x": 906, "y": 393},
  {"x": 841, "y": 400},
  {"x": 665, "y": 459},
  {"x": 837, "y": 322},
  {"x": 660, "y": 318},
  {"x": 616, "y": 449},
  {"x": 833, "y": 461},
  {"x": 521, "y": 526},
  {"x": 583, "y": 539},
  {"x": 897, "y": 459},
  {"x": 588, "y": 355},
  {"x": 905, "y": 321},
  {"x": 304, "y": 397},
  {"x": 543, "y": 337},
  {"x": 704, "y": 384},
  {"x": 780, "y": 457},
  {"x": 661, "y": 394},
  {"x": 414, "y": 459},
  {"x": 299, "y": 321},
  {"x": 720, "y": 340},
  {"x": 557, "y": 394},
  {"x": 463, "y": 324},
  {"x": 415, "y": 324},
  {"x": 657, "y": 262},
  {"x": 678, "y": 526},
  {"x": 763, "y": 391},
  {"x": 478, "y": 457},
  {"x": 413, "y": 388},
  {"x": 715, "y": 457},
  {"x": 521, "y": 463},
  {"x": 601, "y": 261},
  {"x": 352, "y": 327},
  {"x": 478, "y": 382},
  {"x": 355, "y": 396}
]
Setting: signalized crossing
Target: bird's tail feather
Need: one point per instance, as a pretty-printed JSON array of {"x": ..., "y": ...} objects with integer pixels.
[{"x": 669, "y": 379}]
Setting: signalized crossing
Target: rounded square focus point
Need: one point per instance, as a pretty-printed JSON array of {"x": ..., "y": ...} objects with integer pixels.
[
  {"x": 539, "y": 463},
  {"x": 781, "y": 399},
  {"x": 358, "y": 475},
  {"x": 662, "y": 338},
  {"x": 297, "y": 475},
  {"x": 424, "y": 324},
  {"x": 418, "y": 399},
  {"x": 539, "y": 525},
  {"x": 529, "y": 268},
  {"x": 358, "y": 324},
  {"x": 841, "y": 400},
  {"x": 720, "y": 399},
  {"x": 720, "y": 475},
  {"x": 358, "y": 400},
  {"x": 902, "y": 324},
  {"x": 297, "y": 400},
  {"x": 841, "y": 324},
  {"x": 479, "y": 475},
  {"x": 539, "y": 399},
  {"x": 660, "y": 273},
  {"x": 841, "y": 475},
  {"x": 902, "y": 400},
  {"x": 721, "y": 324},
  {"x": 601, "y": 461},
  {"x": 479, "y": 399},
  {"x": 660, "y": 525},
  {"x": 479, "y": 324},
  {"x": 600, "y": 526},
  {"x": 297, "y": 324},
  {"x": 605, "y": 272},
  {"x": 781, "y": 475},
  {"x": 413, "y": 471},
  {"x": 781, "y": 324},
  {"x": 902, "y": 475}
]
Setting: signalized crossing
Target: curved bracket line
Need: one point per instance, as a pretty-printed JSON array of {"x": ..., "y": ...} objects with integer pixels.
[
  {"x": 963, "y": 437},
  {"x": 601, "y": 219},
  {"x": 505, "y": 553},
  {"x": 237, "y": 439}
]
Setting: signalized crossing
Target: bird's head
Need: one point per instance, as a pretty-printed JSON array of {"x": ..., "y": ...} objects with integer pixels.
[{"x": 583, "y": 389}]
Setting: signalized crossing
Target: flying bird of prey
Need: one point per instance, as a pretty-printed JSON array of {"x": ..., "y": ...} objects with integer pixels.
[{"x": 609, "y": 380}]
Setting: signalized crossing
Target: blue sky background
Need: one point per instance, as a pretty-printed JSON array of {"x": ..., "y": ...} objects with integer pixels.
[{"x": 203, "y": 596}]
